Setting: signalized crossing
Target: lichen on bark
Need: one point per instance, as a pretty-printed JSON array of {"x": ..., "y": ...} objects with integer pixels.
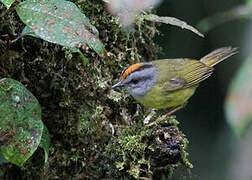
[{"x": 95, "y": 132}]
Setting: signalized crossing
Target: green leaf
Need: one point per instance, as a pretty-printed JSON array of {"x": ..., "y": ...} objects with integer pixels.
[
  {"x": 20, "y": 126},
  {"x": 238, "y": 103},
  {"x": 28, "y": 31},
  {"x": 2, "y": 159},
  {"x": 84, "y": 59},
  {"x": 249, "y": 2},
  {"x": 7, "y": 3},
  {"x": 60, "y": 22},
  {"x": 45, "y": 142},
  {"x": 172, "y": 21},
  {"x": 238, "y": 12}
]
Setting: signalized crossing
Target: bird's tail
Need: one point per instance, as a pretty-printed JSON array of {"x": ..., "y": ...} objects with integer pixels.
[{"x": 218, "y": 55}]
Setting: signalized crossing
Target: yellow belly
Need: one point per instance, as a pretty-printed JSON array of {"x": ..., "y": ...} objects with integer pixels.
[{"x": 159, "y": 99}]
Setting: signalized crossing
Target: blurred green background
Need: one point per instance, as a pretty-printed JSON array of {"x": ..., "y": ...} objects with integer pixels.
[{"x": 215, "y": 150}]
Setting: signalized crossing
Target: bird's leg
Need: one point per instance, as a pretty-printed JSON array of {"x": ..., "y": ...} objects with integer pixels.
[{"x": 173, "y": 110}]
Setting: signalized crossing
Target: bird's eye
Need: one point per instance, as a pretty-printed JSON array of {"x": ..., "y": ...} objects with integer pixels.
[{"x": 135, "y": 81}]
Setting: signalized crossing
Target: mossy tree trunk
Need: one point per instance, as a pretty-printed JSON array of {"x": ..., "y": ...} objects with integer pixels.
[{"x": 95, "y": 132}]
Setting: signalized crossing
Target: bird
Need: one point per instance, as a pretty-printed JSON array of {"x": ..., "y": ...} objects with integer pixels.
[{"x": 169, "y": 83}]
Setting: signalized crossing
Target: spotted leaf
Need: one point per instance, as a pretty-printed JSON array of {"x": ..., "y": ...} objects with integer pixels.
[
  {"x": 20, "y": 126},
  {"x": 60, "y": 22}
]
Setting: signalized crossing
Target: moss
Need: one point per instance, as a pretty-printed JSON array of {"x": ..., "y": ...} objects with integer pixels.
[
  {"x": 143, "y": 152},
  {"x": 84, "y": 116},
  {"x": 127, "y": 151}
]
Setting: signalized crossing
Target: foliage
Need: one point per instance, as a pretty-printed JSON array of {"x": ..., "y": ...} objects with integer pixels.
[
  {"x": 21, "y": 125},
  {"x": 79, "y": 108},
  {"x": 7, "y": 3},
  {"x": 60, "y": 22},
  {"x": 2, "y": 159},
  {"x": 45, "y": 142},
  {"x": 172, "y": 21},
  {"x": 238, "y": 102},
  {"x": 240, "y": 12}
]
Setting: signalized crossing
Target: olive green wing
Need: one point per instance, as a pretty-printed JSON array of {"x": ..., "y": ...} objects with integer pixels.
[{"x": 184, "y": 73}]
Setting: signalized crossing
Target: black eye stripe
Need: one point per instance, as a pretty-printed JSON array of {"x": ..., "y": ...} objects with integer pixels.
[
  {"x": 143, "y": 67},
  {"x": 135, "y": 81}
]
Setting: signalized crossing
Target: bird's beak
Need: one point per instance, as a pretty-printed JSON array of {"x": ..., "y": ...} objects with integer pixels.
[{"x": 119, "y": 84}]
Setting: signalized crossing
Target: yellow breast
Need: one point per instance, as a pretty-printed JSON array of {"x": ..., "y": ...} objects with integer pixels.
[{"x": 158, "y": 98}]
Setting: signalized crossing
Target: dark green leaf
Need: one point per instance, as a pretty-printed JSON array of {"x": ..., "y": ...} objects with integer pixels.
[
  {"x": 2, "y": 159},
  {"x": 45, "y": 142},
  {"x": 61, "y": 22},
  {"x": 30, "y": 32},
  {"x": 7, "y": 3},
  {"x": 238, "y": 104},
  {"x": 84, "y": 59},
  {"x": 20, "y": 126}
]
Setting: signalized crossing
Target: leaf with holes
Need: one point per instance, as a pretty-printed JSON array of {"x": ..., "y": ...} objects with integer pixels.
[
  {"x": 20, "y": 126},
  {"x": 238, "y": 103},
  {"x": 60, "y": 22},
  {"x": 7, "y": 3}
]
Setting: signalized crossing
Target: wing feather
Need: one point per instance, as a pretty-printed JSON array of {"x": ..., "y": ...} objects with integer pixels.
[{"x": 191, "y": 73}]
